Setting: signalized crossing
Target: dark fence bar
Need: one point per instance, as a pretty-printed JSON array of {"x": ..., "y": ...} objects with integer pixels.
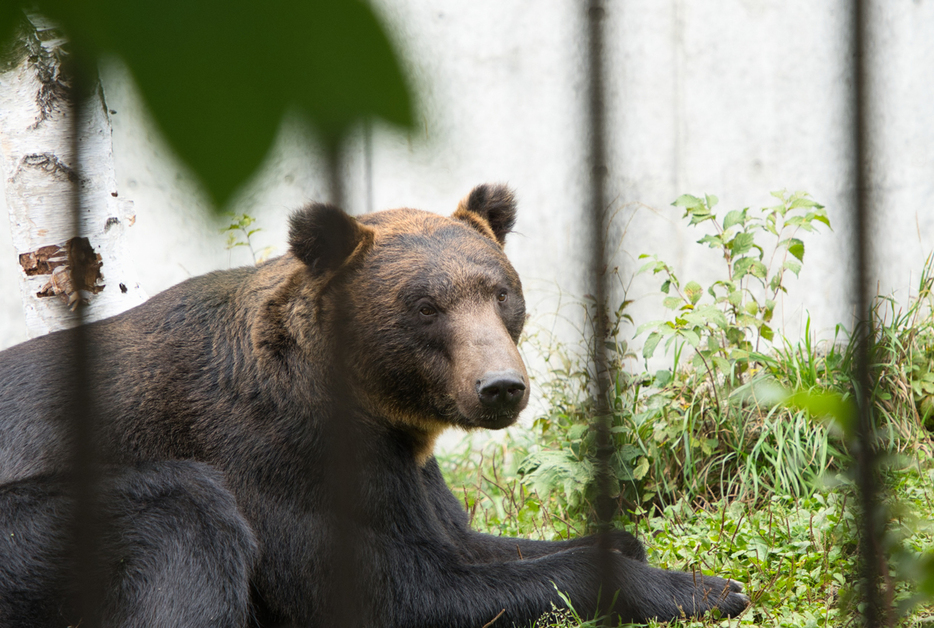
[
  {"x": 350, "y": 605},
  {"x": 596, "y": 135},
  {"x": 85, "y": 469},
  {"x": 872, "y": 558}
]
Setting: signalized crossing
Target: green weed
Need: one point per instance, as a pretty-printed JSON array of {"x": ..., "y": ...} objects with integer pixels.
[{"x": 239, "y": 233}]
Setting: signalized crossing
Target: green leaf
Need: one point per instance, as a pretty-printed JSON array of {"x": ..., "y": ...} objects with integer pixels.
[
  {"x": 707, "y": 314},
  {"x": 741, "y": 267},
  {"x": 218, "y": 75},
  {"x": 766, "y": 332},
  {"x": 842, "y": 410},
  {"x": 646, "y": 266},
  {"x": 767, "y": 310},
  {"x": 698, "y": 216},
  {"x": 796, "y": 248},
  {"x": 686, "y": 200},
  {"x": 776, "y": 282},
  {"x": 758, "y": 269},
  {"x": 576, "y": 432},
  {"x": 711, "y": 200},
  {"x": 713, "y": 344},
  {"x": 741, "y": 243},
  {"x": 803, "y": 202},
  {"x": 11, "y": 17},
  {"x": 694, "y": 291},
  {"x": 735, "y": 217},
  {"x": 650, "y": 343},
  {"x": 672, "y": 303},
  {"x": 722, "y": 364},
  {"x": 691, "y": 336},
  {"x": 641, "y": 469},
  {"x": 728, "y": 286},
  {"x": 629, "y": 452},
  {"x": 736, "y": 335},
  {"x": 792, "y": 265},
  {"x": 713, "y": 241}
]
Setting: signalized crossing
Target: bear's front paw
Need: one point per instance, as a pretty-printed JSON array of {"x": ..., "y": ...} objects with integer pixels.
[
  {"x": 699, "y": 594},
  {"x": 647, "y": 592}
]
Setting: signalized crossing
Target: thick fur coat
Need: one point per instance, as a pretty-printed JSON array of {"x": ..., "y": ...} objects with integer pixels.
[{"x": 266, "y": 437}]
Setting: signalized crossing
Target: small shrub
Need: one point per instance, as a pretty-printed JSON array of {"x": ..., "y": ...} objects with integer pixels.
[
  {"x": 695, "y": 429},
  {"x": 726, "y": 330},
  {"x": 239, "y": 233}
]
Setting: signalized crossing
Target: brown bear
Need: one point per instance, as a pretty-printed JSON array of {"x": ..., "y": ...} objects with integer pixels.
[{"x": 266, "y": 442}]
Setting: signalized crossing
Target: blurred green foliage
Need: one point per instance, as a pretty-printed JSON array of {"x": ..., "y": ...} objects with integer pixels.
[{"x": 218, "y": 75}]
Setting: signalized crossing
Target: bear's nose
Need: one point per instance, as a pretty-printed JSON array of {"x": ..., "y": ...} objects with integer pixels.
[{"x": 501, "y": 390}]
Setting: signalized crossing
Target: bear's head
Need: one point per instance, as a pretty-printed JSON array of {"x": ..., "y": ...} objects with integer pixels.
[{"x": 429, "y": 309}]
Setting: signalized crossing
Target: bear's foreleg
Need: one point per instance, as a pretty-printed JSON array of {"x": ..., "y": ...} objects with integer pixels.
[{"x": 173, "y": 550}]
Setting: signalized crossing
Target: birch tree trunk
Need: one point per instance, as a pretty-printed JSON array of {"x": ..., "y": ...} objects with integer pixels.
[{"x": 36, "y": 159}]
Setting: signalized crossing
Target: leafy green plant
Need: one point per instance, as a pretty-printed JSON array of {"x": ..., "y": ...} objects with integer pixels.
[
  {"x": 562, "y": 467},
  {"x": 495, "y": 498},
  {"x": 700, "y": 430},
  {"x": 900, "y": 342},
  {"x": 707, "y": 431},
  {"x": 795, "y": 556},
  {"x": 902, "y": 359},
  {"x": 725, "y": 330},
  {"x": 239, "y": 233},
  {"x": 218, "y": 94}
]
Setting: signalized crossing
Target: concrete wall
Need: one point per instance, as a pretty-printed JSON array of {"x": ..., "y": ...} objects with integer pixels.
[{"x": 733, "y": 97}]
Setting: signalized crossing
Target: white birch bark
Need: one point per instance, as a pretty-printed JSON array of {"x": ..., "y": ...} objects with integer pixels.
[{"x": 36, "y": 160}]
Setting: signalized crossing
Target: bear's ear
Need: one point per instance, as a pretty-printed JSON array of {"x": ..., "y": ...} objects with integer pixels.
[
  {"x": 323, "y": 237},
  {"x": 491, "y": 209}
]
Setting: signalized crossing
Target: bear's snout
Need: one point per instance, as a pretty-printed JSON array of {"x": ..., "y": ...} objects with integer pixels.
[
  {"x": 490, "y": 382},
  {"x": 501, "y": 391}
]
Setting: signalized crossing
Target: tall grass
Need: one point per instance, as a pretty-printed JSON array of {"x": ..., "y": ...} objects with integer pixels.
[{"x": 680, "y": 432}]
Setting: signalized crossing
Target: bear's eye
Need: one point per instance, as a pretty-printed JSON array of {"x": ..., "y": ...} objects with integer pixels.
[
  {"x": 427, "y": 310},
  {"x": 501, "y": 297}
]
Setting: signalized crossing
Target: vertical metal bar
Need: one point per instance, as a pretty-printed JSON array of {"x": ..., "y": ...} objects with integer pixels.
[
  {"x": 88, "y": 590},
  {"x": 871, "y": 527},
  {"x": 335, "y": 183},
  {"x": 349, "y": 606},
  {"x": 368, "y": 163},
  {"x": 596, "y": 133}
]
